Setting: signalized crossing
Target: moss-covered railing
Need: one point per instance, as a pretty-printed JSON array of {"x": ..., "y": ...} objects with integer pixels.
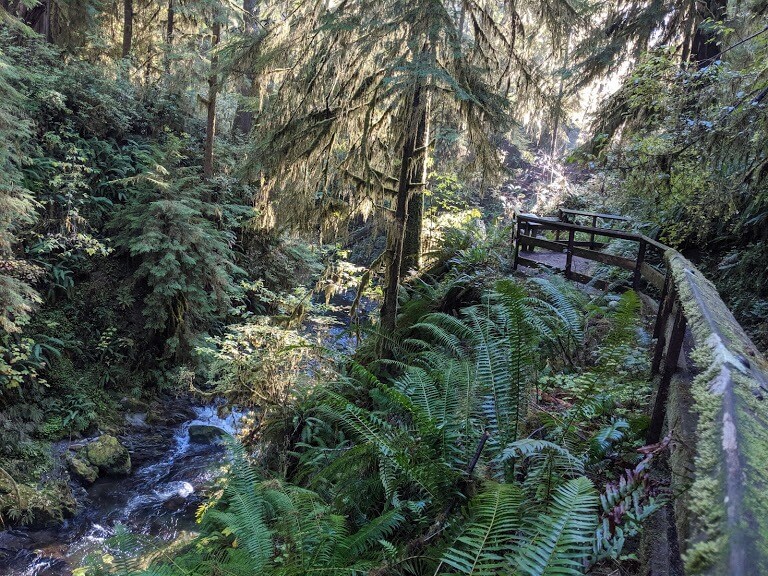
[{"x": 711, "y": 398}]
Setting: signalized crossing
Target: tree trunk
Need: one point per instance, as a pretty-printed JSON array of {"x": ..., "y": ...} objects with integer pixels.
[
  {"x": 412, "y": 166},
  {"x": 412, "y": 243},
  {"x": 47, "y": 22},
  {"x": 213, "y": 89},
  {"x": 558, "y": 109},
  {"x": 244, "y": 116},
  {"x": 127, "y": 27},
  {"x": 37, "y": 17},
  {"x": 170, "y": 23}
]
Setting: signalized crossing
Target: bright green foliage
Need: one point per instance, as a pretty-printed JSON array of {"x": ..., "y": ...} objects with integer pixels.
[
  {"x": 562, "y": 539},
  {"x": 255, "y": 363},
  {"x": 16, "y": 203},
  {"x": 375, "y": 467},
  {"x": 185, "y": 262},
  {"x": 493, "y": 530},
  {"x": 505, "y": 536},
  {"x": 273, "y": 529},
  {"x": 691, "y": 159}
]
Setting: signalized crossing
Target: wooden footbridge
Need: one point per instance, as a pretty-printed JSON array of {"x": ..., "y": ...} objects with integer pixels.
[{"x": 711, "y": 390}]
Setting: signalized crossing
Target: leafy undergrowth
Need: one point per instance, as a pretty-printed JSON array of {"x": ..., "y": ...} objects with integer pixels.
[{"x": 492, "y": 434}]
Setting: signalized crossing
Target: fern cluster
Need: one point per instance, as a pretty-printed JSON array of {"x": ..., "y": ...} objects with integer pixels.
[{"x": 439, "y": 462}]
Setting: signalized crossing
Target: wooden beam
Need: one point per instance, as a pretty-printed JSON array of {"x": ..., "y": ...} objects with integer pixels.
[
  {"x": 638, "y": 266},
  {"x": 550, "y": 224},
  {"x": 652, "y": 275},
  {"x": 529, "y": 263},
  {"x": 670, "y": 367},
  {"x": 602, "y": 257},
  {"x": 594, "y": 215},
  {"x": 542, "y": 243},
  {"x": 569, "y": 253}
]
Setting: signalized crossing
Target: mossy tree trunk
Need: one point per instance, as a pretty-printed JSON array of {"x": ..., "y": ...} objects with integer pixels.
[
  {"x": 127, "y": 27},
  {"x": 170, "y": 23},
  {"x": 412, "y": 176},
  {"x": 248, "y": 88},
  {"x": 213, "y": 91},
  {"x": 412, "y": 244}
]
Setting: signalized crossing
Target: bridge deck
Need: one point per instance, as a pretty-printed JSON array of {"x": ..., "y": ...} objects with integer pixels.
[{"x": 557, "y": 260}]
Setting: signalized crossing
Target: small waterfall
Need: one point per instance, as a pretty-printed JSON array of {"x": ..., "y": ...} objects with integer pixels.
[{"x": 157, "y": 501}]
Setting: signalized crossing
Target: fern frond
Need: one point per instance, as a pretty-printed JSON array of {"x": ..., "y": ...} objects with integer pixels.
[
  {"x": 560, "y": 541},
  {"x": 484, "y": 546}
]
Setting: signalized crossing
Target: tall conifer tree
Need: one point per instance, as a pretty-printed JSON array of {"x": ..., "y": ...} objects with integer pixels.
[{"x": 349, "y": 125}]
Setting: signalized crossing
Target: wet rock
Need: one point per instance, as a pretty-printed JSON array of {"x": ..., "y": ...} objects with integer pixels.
[
  {"x": 145, "y": 447},
  {"x": 11, "y": 541},
  {"x": 108, "y": 455},
  {"x": 205, "y": 434},
  {"x": 169, "y": 414},
  {"x": 174, "y": 503},
  {"x": 81, "y": 469}
]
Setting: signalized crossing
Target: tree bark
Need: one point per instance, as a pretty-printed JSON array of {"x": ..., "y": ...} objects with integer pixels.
[
  {"x": 412, "y": 166},
  {"x": 213, "y": 89},
  {"x": 170, "y": 23},
  {"x": 127, "y": 27},
  {"x": 243, "y": 121},
  {"x": 37, "y": 17},
  {"x": 412, "y": 243},
  {"x": 47, "y": 22}
]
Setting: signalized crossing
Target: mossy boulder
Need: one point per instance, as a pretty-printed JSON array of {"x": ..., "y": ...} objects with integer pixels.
[
  {"x": 108, "y": 455},
  {"x": 82, "y": 469}
]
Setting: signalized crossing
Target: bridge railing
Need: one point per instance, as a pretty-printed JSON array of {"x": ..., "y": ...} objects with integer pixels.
[
  {"x": 566, "y": 239},
  {"x": 711, "y": 386}
]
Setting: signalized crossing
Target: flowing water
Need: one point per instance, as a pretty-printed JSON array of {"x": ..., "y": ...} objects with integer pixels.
[{"x": 156, "y": 502}]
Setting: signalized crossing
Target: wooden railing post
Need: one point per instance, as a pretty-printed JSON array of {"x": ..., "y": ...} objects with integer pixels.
[
  {"x": 516, "y": 240},
  {"x": 670, "y": 367},
  {"x": 661, "y": 315},
  {"x": 592, "y": 235},
  {"x": 660, "y": 330},
  {"x": 639, "y": 266},
  {"x": 569, "y": 253}
]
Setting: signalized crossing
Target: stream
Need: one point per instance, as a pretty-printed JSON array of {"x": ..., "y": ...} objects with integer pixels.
[
  {"x": 172, "y": 470},
  {"x": 156, "y": 502}
]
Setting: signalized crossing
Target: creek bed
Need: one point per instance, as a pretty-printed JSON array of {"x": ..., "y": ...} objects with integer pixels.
[
  {"x": 156, "y": 502},
  {"x": 172, "y": 470}
]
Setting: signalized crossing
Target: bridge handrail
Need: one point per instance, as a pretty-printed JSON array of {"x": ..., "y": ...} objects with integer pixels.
[
  {"x": 721, "y": 513},
  {"x": 600, "y": 215}
]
